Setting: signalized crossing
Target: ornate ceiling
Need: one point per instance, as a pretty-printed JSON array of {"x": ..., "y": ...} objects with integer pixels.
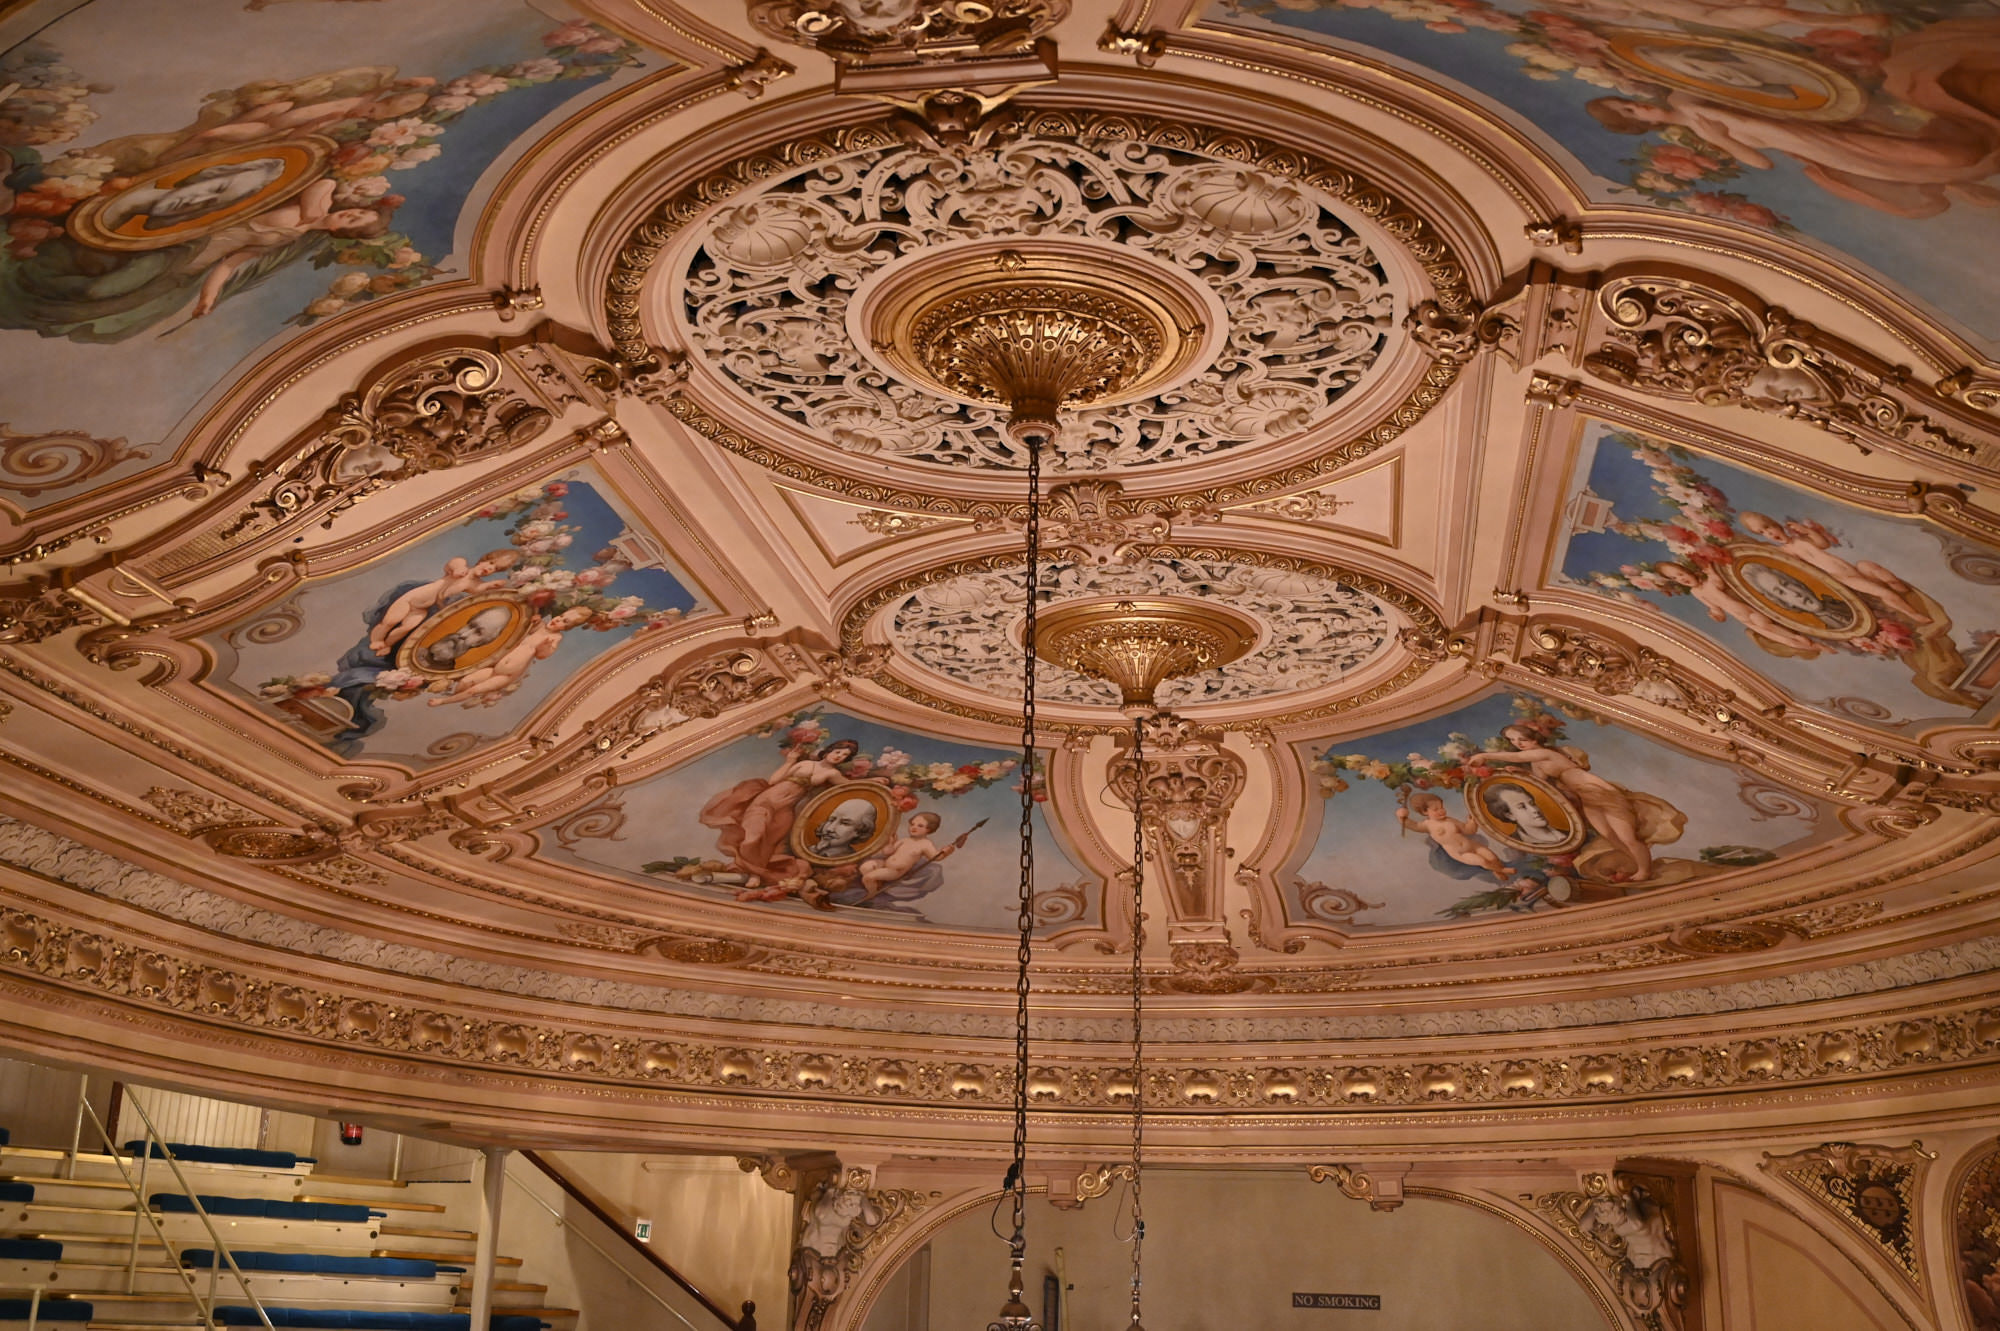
[{"x": 497, "y": 630}]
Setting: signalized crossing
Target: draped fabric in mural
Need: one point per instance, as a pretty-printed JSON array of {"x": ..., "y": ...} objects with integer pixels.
[
  {"x": 1819, "y": 118},
  {"x": 160, "y": 224}
]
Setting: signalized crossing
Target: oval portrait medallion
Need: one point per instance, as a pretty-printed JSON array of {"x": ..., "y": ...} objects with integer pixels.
[
  {"x": 1526, "y": 813},
  {"x": 186, "y": 200},
  {"x": 1738, "y": 73},
  {"x": 1795, "y": 593},
  {"x": 844, "y": 823},
  {"x": 466, "y": 635}
]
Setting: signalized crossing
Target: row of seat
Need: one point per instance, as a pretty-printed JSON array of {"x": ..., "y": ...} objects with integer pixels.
[
  {"x": 264, "y": 1208},
  {"x": 188, "y": 1153},
  {"x": 361, "y": 1285}
]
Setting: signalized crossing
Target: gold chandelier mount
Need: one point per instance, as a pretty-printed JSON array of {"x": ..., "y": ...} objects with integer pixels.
[{"x": 1139, "y": 644}]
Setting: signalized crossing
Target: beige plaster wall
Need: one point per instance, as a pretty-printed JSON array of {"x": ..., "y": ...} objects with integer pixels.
[
  {"x": 1227, "y": 1248},
  {"x": 1775, "y": 1273},
  {"x": 725, "y": 1230}
]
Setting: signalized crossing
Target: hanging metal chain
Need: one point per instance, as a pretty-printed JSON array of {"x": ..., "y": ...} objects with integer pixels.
[
  {"x": 1026, "y": 919},
  {"x": 1138, "y": 988}
]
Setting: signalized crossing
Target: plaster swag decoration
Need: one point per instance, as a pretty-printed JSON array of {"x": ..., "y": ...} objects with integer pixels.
[
  {"x": 1315, "y": 629},
  {"x": 775, "y": 278}
]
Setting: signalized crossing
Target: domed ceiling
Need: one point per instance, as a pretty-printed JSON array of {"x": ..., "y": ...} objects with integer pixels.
[{"x": 500, "y": 621}]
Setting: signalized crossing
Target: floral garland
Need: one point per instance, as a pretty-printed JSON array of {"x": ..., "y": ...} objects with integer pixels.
[
  {"x": 905, "y": 778},
  {"x": 1448, "y": 770},
  {"x": 1699, "y": 538}
]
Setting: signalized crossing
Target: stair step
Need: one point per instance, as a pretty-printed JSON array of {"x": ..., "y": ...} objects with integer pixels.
[
  {"x": 137, "y": 1326},
  {"x": 415, "y": 1232},
  {"x": 447, "y": 1258},
  {"x": 100, "y": 1296},
  {"x": 97, "y": 1240},
  {"x": 377, "y": 1203},
  {"x": 348, "y": 1180},
  {"x": 54, "y": 1181},
  {"x": 511, "y": 1311},
  {"x": 78, "y": 1210}
]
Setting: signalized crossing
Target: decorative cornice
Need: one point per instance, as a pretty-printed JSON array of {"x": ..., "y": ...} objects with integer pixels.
[{"x": 1789, "y": 1052}]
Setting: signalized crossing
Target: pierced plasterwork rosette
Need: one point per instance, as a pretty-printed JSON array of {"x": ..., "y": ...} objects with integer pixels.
[
  {"x": 1315, "y": 629},
  {"x": 774, "y": 289}
]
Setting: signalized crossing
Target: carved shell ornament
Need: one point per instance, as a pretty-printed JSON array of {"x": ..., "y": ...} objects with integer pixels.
[
  {"x": 1314, "y": 630},
  {"x": 778, "y": 290}
]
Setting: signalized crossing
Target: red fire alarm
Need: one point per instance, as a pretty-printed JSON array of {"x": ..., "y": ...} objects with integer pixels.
[{"x": 350, "y": 1134}]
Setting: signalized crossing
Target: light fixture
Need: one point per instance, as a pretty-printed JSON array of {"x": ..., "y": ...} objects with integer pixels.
[
  {"x": 1024, "y": 329},
  {"x": 1138, "y": 1004}
]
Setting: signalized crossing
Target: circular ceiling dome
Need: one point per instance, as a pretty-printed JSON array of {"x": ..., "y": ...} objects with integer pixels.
[
  {"x": 790, "y": 293},
  {"x": 1312, "y": 630}
]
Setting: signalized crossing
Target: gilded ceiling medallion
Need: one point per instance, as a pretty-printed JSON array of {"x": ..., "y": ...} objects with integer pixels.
[
  {"x": 1140, "y": 644},
  {"x": 807, "y": 292},
  {"x": 1040, "y": 328},
  {"x": 1287, "y": 631}
]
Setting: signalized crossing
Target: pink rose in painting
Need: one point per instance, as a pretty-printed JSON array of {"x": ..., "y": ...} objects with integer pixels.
[
  {"x": 403, "y": 133},
  {"x": 1674, "y": 534},
  {"x": 569, "y": 34},
  {"x": 1718, "y": 529},
  {"x": 600, "y": 46},
  {"x": 405, "y": 257},
  {"x": 1683, "y": 163},
  {"x": 476, "y": 85},
  {"x": 538, "y": 71},
  {"x": 1735, "y": 210},
  {"x": 364, "y": 190},
  {"x": 594, "y": 577},
  {"x": 556, "y": 489},
  {"x": 417, "y": 156}
]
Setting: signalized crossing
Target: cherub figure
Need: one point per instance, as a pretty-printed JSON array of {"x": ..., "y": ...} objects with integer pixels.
[
  {"x": 508, "y": 669},
  {"x": 414, "y": 606},
  {"x": 1811, "y": 543},
  {"x": 1457, "y": 838},
  {"x": 906, "y": 853},
  {"x": 1724, "y": 605}
]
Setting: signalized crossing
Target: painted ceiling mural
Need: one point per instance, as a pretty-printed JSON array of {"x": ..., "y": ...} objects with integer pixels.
[
  {"x": 822, "y": 809},
  {"x": 1871, "y": 127},
  {"x": 1889, "y": 620},
  {"x": 1516, "y": 804},
  {"x": 166, "y": 220},
  {"x": 1618, "y": 705},
  {"x": 456, "y": 639}
]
